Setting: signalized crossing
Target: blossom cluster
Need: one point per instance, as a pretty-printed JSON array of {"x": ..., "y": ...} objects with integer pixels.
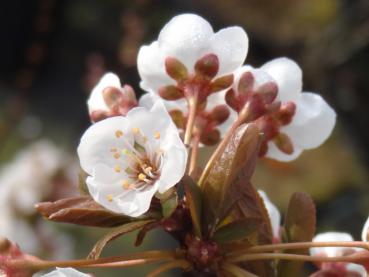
[
  {"x": 140, "y": 159},
  {"x": 191, "y": 67}
]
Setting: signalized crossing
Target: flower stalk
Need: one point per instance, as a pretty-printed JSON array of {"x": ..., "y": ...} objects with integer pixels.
[{"x": 192, "y": 108}]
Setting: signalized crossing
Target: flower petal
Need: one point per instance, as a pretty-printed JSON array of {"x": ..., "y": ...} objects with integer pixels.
[
  {"x": 357, "y": 269},
  {"x": 231, "y": 46},
  {"x": 150, "y": 65},
  {"x": 331, "y": 251},
  {"x": 99, "y": 139},
  {"x": 273, "y": 212},
  {"x": 186, "y": 37},
  {"x": 288, "y": 76},
  {"x": 365, "y": 231},
  {"x": 275, "y": 153},
  {"x": 313, "y": 122},
  {"x": 66, "y": 272},
  {"x": 96, "y": 99},
  {"x": 174, "y": 166}
]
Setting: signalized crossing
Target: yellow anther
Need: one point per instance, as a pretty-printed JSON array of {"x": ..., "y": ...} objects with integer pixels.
[
  {"x": 157, "y": 135},
  {"x": 126, "y": 184},
  {"x": 118, "y": 133},
  {"x": 109, "y": 197},
  {"x": 135, "y": 130},
  {"x": 141, "y": 176},
  {"x": 117, "y": 168},
  {"x": 113, "y": 149},
  {"x": 116, "y": 156},
  {"x": 125, "y": 152}
]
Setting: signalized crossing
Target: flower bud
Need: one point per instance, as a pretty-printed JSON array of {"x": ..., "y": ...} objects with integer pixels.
[
  {"x": 207, "y": 66},
  {"x": 175, "y": 69}
]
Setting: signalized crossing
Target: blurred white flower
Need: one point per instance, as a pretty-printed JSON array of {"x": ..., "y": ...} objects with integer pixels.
[
  {"x": 130, "y": 158},
  {"x": 186, "y": 39},
  {"x": 307, "y": 120},
  {"x": 214, "y": 118},
  {"x": 108, "y": 98},
  {"x": 336, "y": 252},
  {"x": 274, "y": 215},
  {"x": 23, "y": 182},
  {"x": 364, "y": 232},
  {"x": 66, "y": 272}
]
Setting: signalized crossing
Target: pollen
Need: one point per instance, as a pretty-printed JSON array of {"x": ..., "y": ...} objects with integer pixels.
[
  {"x": 116, "y": 156},
  {"x": 126, "y": 184},
  {"x": 117, "y": 168},
  {"x": 141, "y": 176},
  {"x": 125, "y": 151},
  {"x": 113, "y": 149},
  {"x": 109, "y": 197},
  {"x": 118, "y": 133},
  {"x": 157, "y": 135},
  {"x": 135, "y": 130}
]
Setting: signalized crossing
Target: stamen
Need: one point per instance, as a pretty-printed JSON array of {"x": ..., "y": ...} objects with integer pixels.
[
  {"x": 116, "y": 156},
  {"x": 118, "y": 133},
  {"x": 113, "y": 149},
  {"x": 157, "y": 135},
  {"x": 135, "y": 130},
  {"x": 141, "y": 176},
  {"x": 126, "y": 184},
  {"x": 117, "y": 168},
  {"x": 109, "y": 197}
]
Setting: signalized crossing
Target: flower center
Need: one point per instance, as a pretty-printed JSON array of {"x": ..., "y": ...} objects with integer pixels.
[{"x": 139, "y": 162}]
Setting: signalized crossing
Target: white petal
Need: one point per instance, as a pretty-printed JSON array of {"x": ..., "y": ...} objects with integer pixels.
[
  {"x": 148, "y": 100},
  {"x": 98, "y": 140},
  {"x": 364, "y": 232},
  {"x": 186, "y": 37},
  {"x": 276, "y": 154},
  {"x": 150, "y": 65},
  {"x": 273, "y": 212},
  {"x": 231, "y": 46},
  {"x": 96, "y": 100},
  {"x": 313, "y": 122},
  {"x": 288, "y": 76},
  {"x": 330, "y": 251},
  {"x": 66, "y": 272},
  {"x": 357, "y": 269},
  {"x": 174, "y": 166}
]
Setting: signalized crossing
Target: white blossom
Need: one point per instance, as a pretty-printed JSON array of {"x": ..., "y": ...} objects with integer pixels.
[
  {"x": 130, "y": 158},
  {"x": 96, "y": 100},
  {"x": 66, "y": 272},
  {"x": 188, "y": 37},
  {"x": 148, "y": 99},
  {"x": 313, "y": 120},
  {"x": 274, "y": 214},
  {"x": 364, "y": 232}
]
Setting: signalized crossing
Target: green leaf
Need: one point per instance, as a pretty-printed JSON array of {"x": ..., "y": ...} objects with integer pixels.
[
  {"x": 223, "y": 183},
  {"x": 81, "y": 210},
  {"x": 117, "y": 232},
  {"x": 168, "y": 206},
  {"x": 194, "y": 202},
  {"x": 237, "y": 230},
  {"x": 299, "y": 226}
]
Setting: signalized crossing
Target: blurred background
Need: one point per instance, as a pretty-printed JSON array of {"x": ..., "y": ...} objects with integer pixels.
[{"x": 53, "y": 52}]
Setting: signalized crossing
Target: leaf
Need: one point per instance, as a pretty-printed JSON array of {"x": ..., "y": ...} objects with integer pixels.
[
  {"x": 168, "y": 206},
  {"x": 117, "y": 232},
  {"x": 194, "y": 202},
  {"x": 299, "y": 226},
  {"x": 237, "y": 230},
  {"x": 81, "y": 210},
  {"x": 223, "y": 183}
]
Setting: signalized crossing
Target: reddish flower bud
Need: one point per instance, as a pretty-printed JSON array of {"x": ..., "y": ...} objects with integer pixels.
[
  {"x": 219, "y": 114},
  {"x": 221, "y": 83},
  {"x": 284, "y": 143},
  {"x": 170, "y": 93},
  {"x": 175, "y": 69},
  {"x": 207, "y": 66}
]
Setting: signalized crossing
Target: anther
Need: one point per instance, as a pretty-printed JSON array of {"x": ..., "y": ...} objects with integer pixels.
[
  {"x": 141, "y": 176},
  {"x": 109, "y": 197},
  {"x": 157, "y": 135},
  {"x": 135, "y": 130},
  {"x": 125, "y": 184},
  {"x": 116, "y": 156},
  {"x": 117, "y": 168},
  {"x": 118, "y": 133}
]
